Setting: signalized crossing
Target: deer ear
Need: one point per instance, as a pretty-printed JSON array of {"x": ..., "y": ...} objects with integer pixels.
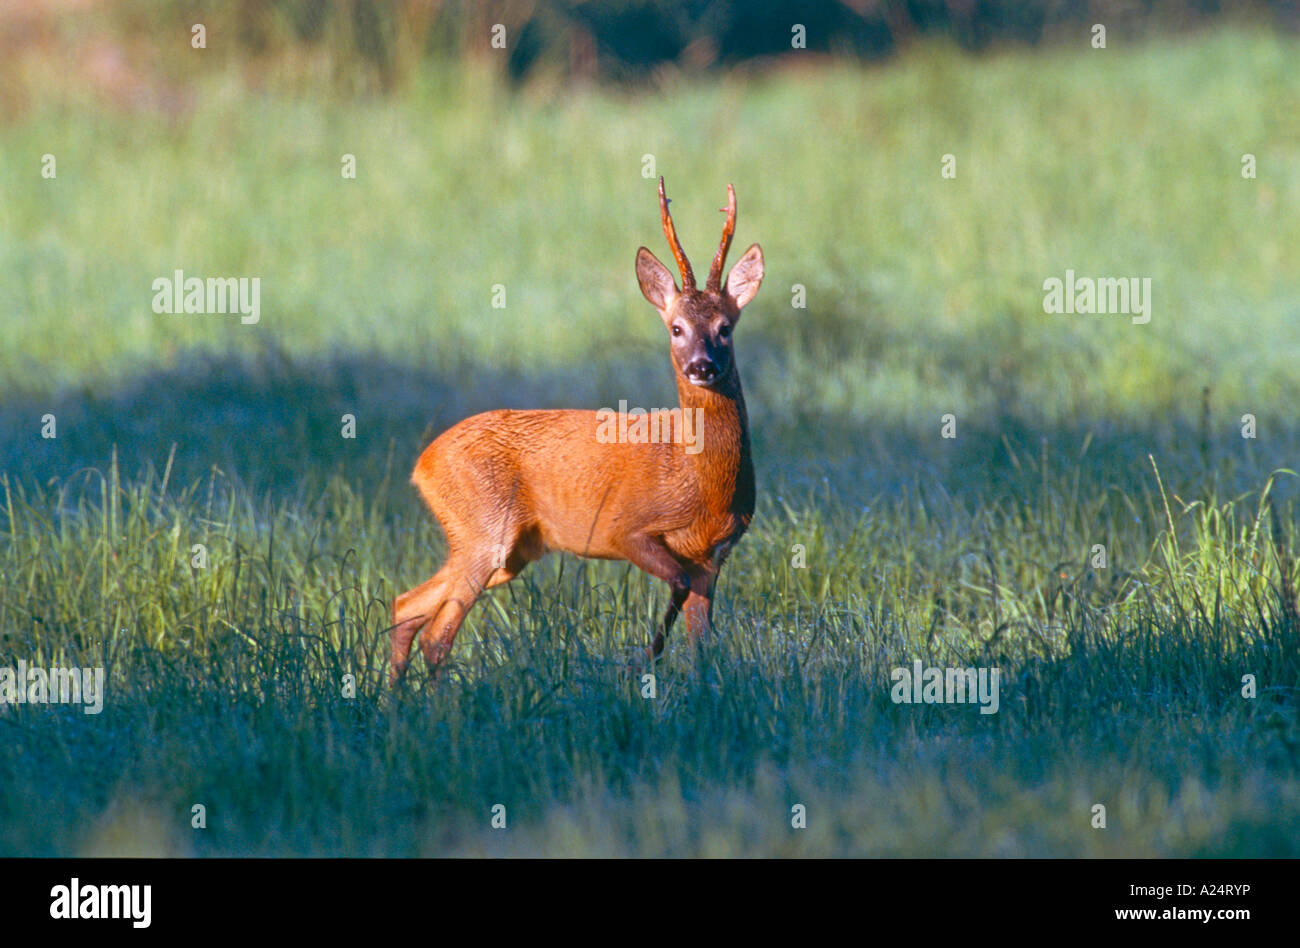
[
  {"x": 746, "y": 276},
  {"x": 657, "y": 284}
]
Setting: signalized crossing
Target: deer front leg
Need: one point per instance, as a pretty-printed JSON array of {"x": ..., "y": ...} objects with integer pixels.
[
  {"x": 652, "y": 555},
  {"x": 699, "y": 601}
]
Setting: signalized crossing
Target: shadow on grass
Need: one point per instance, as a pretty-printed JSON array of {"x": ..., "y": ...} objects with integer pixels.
[{"x": 275, "y": 424}]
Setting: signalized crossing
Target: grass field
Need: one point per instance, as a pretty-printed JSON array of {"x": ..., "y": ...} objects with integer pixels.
[{"x": 1121, "y": 685}]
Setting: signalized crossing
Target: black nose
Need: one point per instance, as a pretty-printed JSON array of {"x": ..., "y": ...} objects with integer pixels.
[{"x": 702, "y": 370}]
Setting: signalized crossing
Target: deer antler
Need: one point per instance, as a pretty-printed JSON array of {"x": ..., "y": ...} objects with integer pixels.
[
  {"x": 684, "y": 265},
  {"x": 729, "y": 228}
]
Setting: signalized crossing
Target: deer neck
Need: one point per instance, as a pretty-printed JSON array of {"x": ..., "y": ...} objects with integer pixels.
[{"x": 719, "y": 460}]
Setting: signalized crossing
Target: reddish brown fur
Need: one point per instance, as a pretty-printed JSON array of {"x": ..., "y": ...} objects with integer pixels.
[{"x": 510, "y": 486}]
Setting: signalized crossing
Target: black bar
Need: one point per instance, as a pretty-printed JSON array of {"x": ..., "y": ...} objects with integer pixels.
[{"x": 333, "y": 897}]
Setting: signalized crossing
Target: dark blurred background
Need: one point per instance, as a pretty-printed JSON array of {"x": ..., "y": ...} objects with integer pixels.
[{"x": 375, "y": 45}]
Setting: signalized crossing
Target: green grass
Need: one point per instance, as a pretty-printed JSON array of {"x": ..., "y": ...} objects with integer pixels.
[{"x": 1120, "y": 686}]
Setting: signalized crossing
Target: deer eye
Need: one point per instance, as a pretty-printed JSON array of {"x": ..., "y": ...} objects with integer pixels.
[
  {"x": 725, "y": 330},
  {"x": 677, "y": 330}
]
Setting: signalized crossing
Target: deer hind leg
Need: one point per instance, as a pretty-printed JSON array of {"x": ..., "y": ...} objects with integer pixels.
[
  {"x": 467, "y": 579},
  {"x": 417, "y": 608},
  {"x": 412, "y": 610},
  {"x": 699, "y": 606},
  {"x": 483, "y": 552},
  {"x": 679, "y": 596},
  {"x": 464, "y": 584}
]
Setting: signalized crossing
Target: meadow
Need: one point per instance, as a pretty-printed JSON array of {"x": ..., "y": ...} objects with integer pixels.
[{"x": 227, "y": 687}]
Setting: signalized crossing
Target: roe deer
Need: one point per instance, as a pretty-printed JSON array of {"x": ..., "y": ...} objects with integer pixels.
[{"x": 510, "y": 486}]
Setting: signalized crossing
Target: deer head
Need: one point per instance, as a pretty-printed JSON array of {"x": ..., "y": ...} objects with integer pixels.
[{"x": 700, "y": 322}]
